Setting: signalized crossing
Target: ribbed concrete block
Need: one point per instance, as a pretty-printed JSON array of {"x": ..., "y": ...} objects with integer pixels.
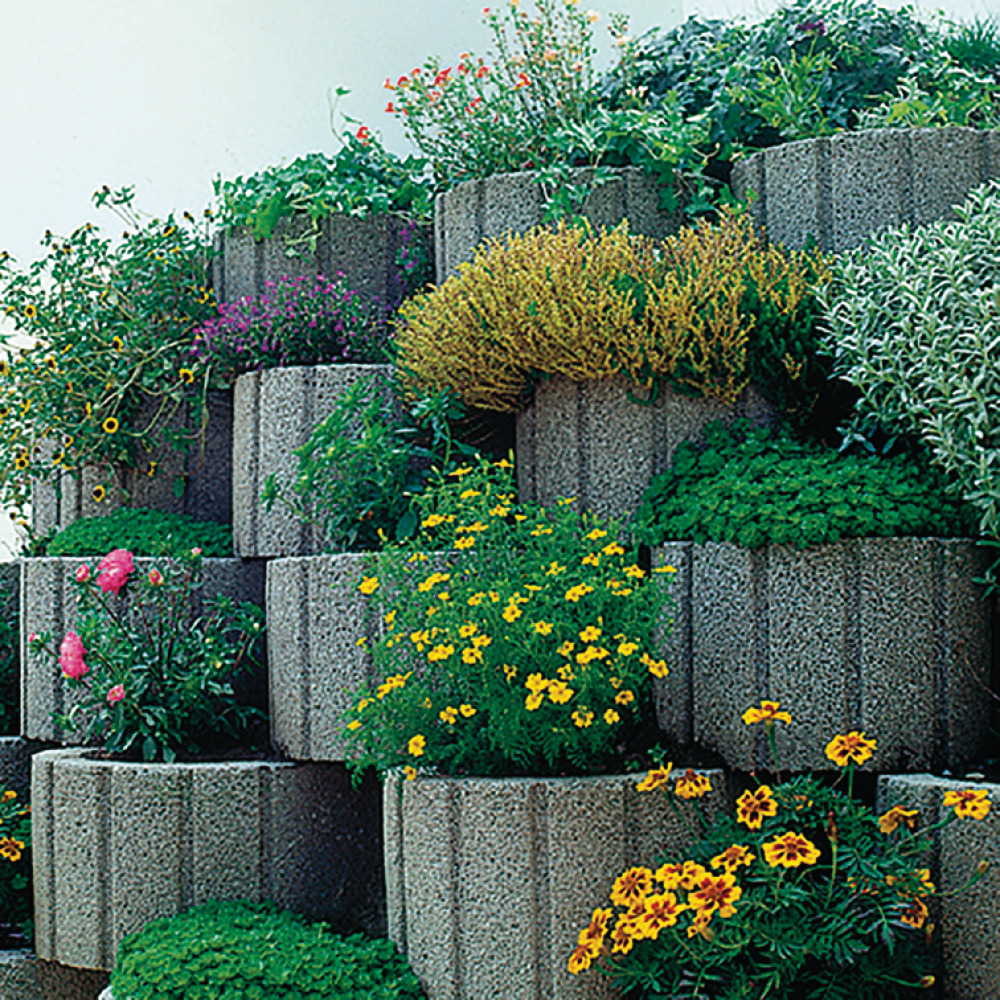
[
  {"x": 206, "y": 473},
  {"x": 275, "y": 412},
  {"x": 364, "y": 250},
  {"x": 838, "y": 190},
  {"x": 674, "y": 693},
  {"x": 24, "y": 976},
  {"x": 490, "y": 880},
  {"x": 119, "y": 844},
  {"x": 968, "y": 920},
  {"x": 886, "y": 635},
  {"x": 514, "y": 203},
  {"x": 315, "y": 616},
  {"x": 48, "y": 604},
  {"x": 591, "y": 441}
]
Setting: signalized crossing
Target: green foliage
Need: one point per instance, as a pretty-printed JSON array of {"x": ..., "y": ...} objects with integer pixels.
[
  {"x": 16, "y": 902},
  {"x": 144, "y": 533},
  {"x": 9, "y": 664},
  {"x": 254, "y": 951},
  {"x": 914, "y": 323},
  {"x": 753, "y": 487},
  {"x": 523, "y": 647}
]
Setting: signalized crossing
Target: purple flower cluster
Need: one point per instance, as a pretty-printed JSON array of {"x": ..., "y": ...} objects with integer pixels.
[{"x": 297, "y": 321}]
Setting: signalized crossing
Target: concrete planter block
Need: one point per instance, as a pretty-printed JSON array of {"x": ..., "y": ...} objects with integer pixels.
[
  {"x": 514, "y": 202},
  {"x": 275, "y": 412},
  {"x": 364, "y": 250},
  {"x": 207, "y": 475},
  {"x": 489, "y": 881},
  {"x": 674, "y": 693},
  {"x": 315, "y": 615},
  {"x": 118, "y": 844},
  {"x": 23, "y": 976},
  {"x": 887, "y": 635},
  {"x": 591, "y": 441},
  {"x": 968, "y": 920},
  {"x": 48, "y": 604},
  {"x": 838, "y": 190}
]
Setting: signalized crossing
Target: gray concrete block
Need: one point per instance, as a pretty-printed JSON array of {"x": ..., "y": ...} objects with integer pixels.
[
  {"x": 488, "y": 876},
  {"x": 274, "y": 413},
  {"x": 804, "y": 169},
  {"x": 315, "y": 616},
  {"x": 23, "y": 976},
  {"x": 119, "y": 844},
  {"x": 674, "y": 694},
  {"x": 48, "y": 604},
  {"x": 967, "y": 920},
  {"x": 591, "y": 441},
  {"x": 885, "y": 635},
  {"x": 492, "y": 207},
  {"x": 206, "y": 470},
  {"x": 749, "y": 183}
]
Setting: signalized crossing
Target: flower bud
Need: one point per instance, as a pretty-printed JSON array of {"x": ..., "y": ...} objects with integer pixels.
[{"x": 927, "y": 982}]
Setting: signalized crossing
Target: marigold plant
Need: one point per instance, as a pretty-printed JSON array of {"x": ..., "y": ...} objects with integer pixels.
[
  {"x": 15, "y": 870},
  {"x": 706, "y": 311},
  {"x": 511, "y": 639}
]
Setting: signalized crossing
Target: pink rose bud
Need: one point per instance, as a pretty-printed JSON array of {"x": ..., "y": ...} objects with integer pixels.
[
  {"x": 116, "y": 694},
  {"x": 113, "y": 571},
  {"x": 82, "y": 573},
  {"x": 71, "y": 653},
  {"x": 196, "y": 552},
  {"x": 32, "y": 636},
  {"x": 155, "y": 577}
]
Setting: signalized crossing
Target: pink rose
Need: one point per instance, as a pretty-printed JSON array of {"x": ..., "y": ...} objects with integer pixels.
[
  {"x": 113, "y": 570},
  {"x": 71, "y": 653},
  {"x": 196, "y": 552},
  {"x": 32, "y": 636},
  {"x": 82, "y": 573},
  {"x": 116, "y": 694},
  {"x": 155, "y": 578}
]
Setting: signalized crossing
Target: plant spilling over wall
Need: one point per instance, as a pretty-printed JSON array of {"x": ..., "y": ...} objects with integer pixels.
[
  {"x": 144, "y": 533},
  {"x": 914, "y": 321},
  {"x": 805, "y": 892},
  {"x": 16, "y": 904},
  {"x": 706, "y": 311},
  {"x": 753, "y": 487},
  {"x": 254, "y": 951},
  {"x": 102, "y": 330},
  {"x": 152, "y": 663},
  {"x": 523, "y": 643}
]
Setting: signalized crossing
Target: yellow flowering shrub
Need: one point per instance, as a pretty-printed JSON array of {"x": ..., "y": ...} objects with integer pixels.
[
  {"x": 707, "y": 311},
  {"x": 514, "y": 639}
]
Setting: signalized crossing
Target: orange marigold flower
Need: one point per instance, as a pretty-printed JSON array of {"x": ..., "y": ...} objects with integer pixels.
[
  {"x": 623, "y": 936},
  {"x": 790, "y": 850},
  {"x": 898, "y": 816},
  {"x": 716, "y": 893},
  {"x": 632, "y": 886},
  {"x": 852, "y": 747},
  {"x": 656, "y": 778},
  {"x": 767, "y": 713},
  {"x": 580, "y": 959},
  {"x": 732, "y": 857},
  {"x": 752, "y": 808},
  {"x": 658, "y": 912},
  {"x": 691, "y": 785},
  {"x": 969, "y": 803},
  {"x": 915, "y": 914}
]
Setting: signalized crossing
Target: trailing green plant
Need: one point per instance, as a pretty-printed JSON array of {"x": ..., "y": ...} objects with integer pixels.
[
  {"x": 16, "y": 901},
  {"x": 153, "y": 669},
  {"x": 527, "y": 646},
  {"x": 10, "y": 679},
  {"x": 99, "y": 366},
  {"x": 144, "y": 533},
  {"x": 706, "y": 311},
  {"x": 751, "y": 486},
  {"x": 254, "y": 951},
  {"x": 914, "y": 325}
]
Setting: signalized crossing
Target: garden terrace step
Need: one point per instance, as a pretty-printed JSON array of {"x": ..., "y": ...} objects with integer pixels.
[
  {"x": 968, "y": 920},
  {"x": 48, "y": 604},
  {"x": 23, "y": 976},
  {"x": 118, "y": 844},
  {"x": 492, "y": 207},
  {"x": 837, "y": 190}
]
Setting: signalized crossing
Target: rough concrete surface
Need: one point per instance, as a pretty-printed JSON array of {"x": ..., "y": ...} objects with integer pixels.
[
  {"x": 23, "y": 976},
  {"x": 673, "y": 693},
  {"x": 118, "y": 844},
  {"x": 489, "y": 881}
]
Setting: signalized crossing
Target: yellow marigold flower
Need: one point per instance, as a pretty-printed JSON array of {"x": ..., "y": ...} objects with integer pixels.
[
  {"x": 969, "y": 803},
  {"x": 472, "y": 655},
  {"x": 354, "y": 724},
  {"x": 565, "y": 672},
  {"x": 110, "y": 425},
  {"x": 732, "y": 857},
  {"x": 463, "y": 470},
  {"x": 475, "y": 600},
  {"x": 670, "y": 875},
  {"x": 30, "y": 311},
  {"x": 574, "y": 594},
  {"x": 187, "y": 376},
  {"x": 634, "y": 572},
  {"x": 441, "y": 652},
  {"x": 582, "y": 717},
  {"x": 664, "y": 569},
  {"x": 692, "y": 874},
  {"x": 656, "y": 778},
  {"x": 11, "y": 848},
  {"x": 98, "y": 493},
  {"x": 691, "y": 785},
  {"x": 613, "y": 549},
  {"x": 432, "y": 581},
  {"x": 469, "y": 628},
  {"x": 658, "y": 668},
  {"x": 595, "y": 535},
  {"x": 852, "y": 747},
  {"x": 658, "y": 912},
  {"x": 565, "y": 501},
  {"x": 8, "y": 796},
  {"x": 509, "y": 672},
  {"x": 590, "y": 634},
  {"x": 511, "y": 613},
  {"x": 716, "y": 894},
  {"x": 554, "y": 569},
  {"x": 501, "y": 463},
  {"x": 410, "y": 772},
  {"x": 448, "y": 715},
  {"x": 627, "y": 648},
  {"x": 368, "y": 585},
  {"x": 592, "y": 559},
  {"x": 481, "y": 641},
  {"x": 566, "y": 649},
  {"x": 540, "y": 530},
  {"x": 625, "y": 697},
  {"x": 790, "y": 850},
  {"x": 700, "y": 925},
  {"x": 623, "y": 936},
  {"x": 632, "y": 886},
  {"x": 465, "y": 542},
  {"x": 476, "y": 527},
  {"x": 611, "y": 717},
  {"x": 752, "y": 808},
  {"x": 416, "y": 746},
  {"x": 898, "y": 815},
  {"x": 432, "y": 521},
  {"x": 580, "y": 959},
  {"x": 559, "y": 693},
  {"x": 768, "y": 712},
  {"x": 533, "y": 701},
  {"x": 536, "y": 683},
  {"x": 467, "y": 711},
  {"x": 469, "y": 494},
  {"x": 499, "y": 511},
  {"x": 615, "y": 682},
  {"x": 543, "y": 628},
  {"x": 915, "y": 914}
]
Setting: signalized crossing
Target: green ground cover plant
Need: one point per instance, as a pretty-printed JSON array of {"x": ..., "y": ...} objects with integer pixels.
[
  {"x": 752, "y": 486},
  {"x": 254, "y": 951}
]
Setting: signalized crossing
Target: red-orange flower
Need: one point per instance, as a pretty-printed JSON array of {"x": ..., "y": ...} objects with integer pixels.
[
  {"x": 969, "y": 803},
  {"x": 632, "y": 886},
  {"x": 716, "y": 893},
  {"x": 658, "y": 912},
  {"x": 752, "y": 808},
  {"x": 790, "y": 850}
]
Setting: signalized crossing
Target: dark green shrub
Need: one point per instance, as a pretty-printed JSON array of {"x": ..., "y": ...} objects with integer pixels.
[
  {"x": 144, "y": 533},
  {"x": 752, "y": 487},
  {"x": 253, "y": 951}
]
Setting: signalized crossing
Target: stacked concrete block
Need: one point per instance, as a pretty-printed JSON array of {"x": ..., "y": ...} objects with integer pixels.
[
  {"x": 885, "y": 635},
  {"x": 489, "y": 881},
  {"x": 274, "y": 413},
  {"x": 204, "y": 470},
  {"x": 117, "y": 844},
  {"x": 492, "y": 207},
  {"x": 592, "y": 441},
  {"x": 968, "y": 917},
  {"x": 674, "y": 693},
  {"x": 364, "y": 250},
  {"x": 23, "y": 976},
  {"x": 49, "y": 604},
  {"x": 837, "y": 190}
]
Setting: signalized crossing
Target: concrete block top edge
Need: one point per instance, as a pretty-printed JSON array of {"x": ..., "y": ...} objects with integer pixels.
[
  {"x": 301, "y": 218},
  {"x": 529, "y": 176},
  {"x": 558, "y": 782},
  {"x": 927, "y": 780},
  {"x": 335, "y": 558},
  {"x": 89, "y": 759},
  {"x": 293, "y": 371}
]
